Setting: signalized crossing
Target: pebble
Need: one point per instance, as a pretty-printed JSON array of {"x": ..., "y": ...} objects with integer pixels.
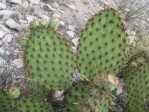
[
  {"x": 119, "y": 90},
  {"x": 2, "y": 34},
  {"x": 72, "y": 7},
  {"x": 54, "y": 5},
  {"x": 70, "y": 27},
  {"x": 2, "y": 27},
  {"x": 75, "y": 41},
  {"x": 18, "y": 63},
  {"x": 34, "y": 1},
  {"x": 56, "y": 15},
  {"x": 3, "y": 51},
  {"x": 29, "y": 19},
  {"x": 15, "y": 1},
  {"x": 62, "y": 23},
  {"x": 8, "y": 38},
  {"x": 22, "y": 21},
  {"x": 2, "y": 61},
  {"x": 44, "y": 17},
  {"x": 50, "y": 7},
  {"x": 70, "y": 33},
  {"x": 6, "y": 13},
  {"x": 2, "y": 6},
  {"x": 12, "y": 24}
]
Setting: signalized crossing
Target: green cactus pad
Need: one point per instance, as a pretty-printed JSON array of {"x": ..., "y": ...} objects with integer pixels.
[
  {"x": 102, "y": 45},
  {"x": 84, "y": 98},
  {"x": 137, "y": 83},
  {"x": 26, "y": 104},
  {"x": 49, "y": 59},
  {"x": 5, "y": 102}
]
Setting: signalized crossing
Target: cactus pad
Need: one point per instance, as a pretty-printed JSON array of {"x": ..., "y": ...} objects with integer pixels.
[
  {"x": 25, "y": 104},
  {"x": 49, "y": 59},
  {"x": 137, "y": 83},
  {"x": 5, "y": 102},
  {"x": 102, "y": 45}
]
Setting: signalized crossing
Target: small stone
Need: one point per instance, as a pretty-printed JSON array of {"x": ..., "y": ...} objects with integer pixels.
[
  {"x": 56, "y": 15},
  {"x": 2, "y": 34},
  {"x": 29, "y": 18},
  {"x": 75, "y": 41},
  {"x": 50, "y": 7},
  {"x": 62, "y": 23},
  {"x": 25, "y": 4},
  {"x": 8, "y": 38},
  {"x": 72, "y": 7},
  {"x": 119, "y": 90},
  {"x": 15, "y": 1},
  {"x": 18, "y": 63},
  {"x": 70, "y": 33},
  {"x": 54, "y": 5},
  {"x": 34, "y": 1},
  {"x": 12, "y": 24},
  {"x": 3, "y": 51},
  {"x": 44, "y": 17},
  {"x": 2, "y": 27},
  {"x": 6, "y": 13},
  {"x": 22, "y": 21},
  {"x": 2, "y": 6},
  {"x": 70, "y": 27},
  {"x": 2, "y": 62}
]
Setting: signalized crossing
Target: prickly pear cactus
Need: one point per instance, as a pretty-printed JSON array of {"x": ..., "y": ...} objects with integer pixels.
[
  {"x": 5, "y": 102},
  {"x": 48, "y": 58},
  {"x": 102, "y": 45},
  {"x": 26, "y": 104},
  {"x": 85, "y": 98},
  {"x": 137, "y": 83}
]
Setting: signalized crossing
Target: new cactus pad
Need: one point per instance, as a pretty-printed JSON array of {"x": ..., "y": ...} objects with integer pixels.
[
  {"x": 5, "y": 102},
  {"x": 48, "y": 58},
  {"x": 137, "y": 83},
  {"x": 102, "y": 45}
]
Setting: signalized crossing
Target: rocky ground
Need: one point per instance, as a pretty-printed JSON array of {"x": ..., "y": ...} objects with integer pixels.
[{"x": 15, "y": 16}]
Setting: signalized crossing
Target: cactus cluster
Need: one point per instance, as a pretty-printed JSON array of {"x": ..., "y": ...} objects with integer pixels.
[{"x": 49, "y": 64}]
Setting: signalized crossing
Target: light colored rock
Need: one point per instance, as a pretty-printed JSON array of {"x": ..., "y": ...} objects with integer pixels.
[
  {"x": 22, "y": 21},
  {"x": 70, "y": 27},
  {"x": 15, "y": 1},
  {"x": 70, "y": 33},
  {"x": 2, "y": 6},
  {"x": 50, "y": 7},
  {"x": 2, "y": 34},
  {"x": 8, "y": 38},
  {"x": 44, "y": 17},
  {"x": 6, "y": 13},
  {"x": 62, "y": 24},
  {"x": 2, "y": 27},
  {"x": 1, "y": 42},
  {"x": 119, "y": 90},
  {"x": 56, "y": 15},
  {"x": 25, "y": 4},
  {"x": 2, "y": 62},
  {"x": 29, "y": 19},
  {"x": 18, "y": 63},
  {"x": 72, "y": 7},
  {"x": 34, "y": 1},
  {"x": 12, "y": 24},
  {"x": 3, "y": 51},
  {"x": 75, "y": 41},
  {"x": 54, "y": 5}
]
